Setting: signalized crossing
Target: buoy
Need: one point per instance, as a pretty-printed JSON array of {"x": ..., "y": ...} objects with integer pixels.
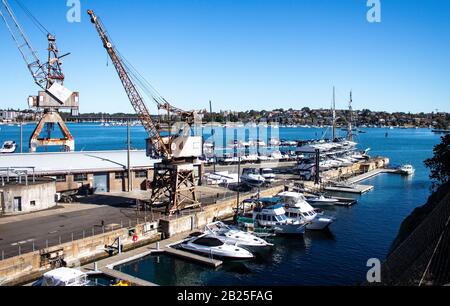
[{"x": 135, "y": 238}]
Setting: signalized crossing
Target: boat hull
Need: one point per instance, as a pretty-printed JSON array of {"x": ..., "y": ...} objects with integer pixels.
[
  {"x": 289, "y": 229},
  {"x": 319, "y": 224},
  {"x": 216, "y": 254}
]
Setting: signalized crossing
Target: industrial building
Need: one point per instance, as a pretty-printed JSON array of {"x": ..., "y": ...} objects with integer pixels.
[
  {"x": 100, "y": 171},
  {"x": 104, "y": 171},
  {"x": 22, "y": 192}
]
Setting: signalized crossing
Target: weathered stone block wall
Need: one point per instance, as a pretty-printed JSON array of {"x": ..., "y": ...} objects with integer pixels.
[
  {"x": 221, "y": 210},
  {"x": 30, "y": 266}
]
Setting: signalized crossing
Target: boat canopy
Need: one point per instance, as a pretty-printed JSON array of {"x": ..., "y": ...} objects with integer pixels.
[{"x": 63, "y": 277}]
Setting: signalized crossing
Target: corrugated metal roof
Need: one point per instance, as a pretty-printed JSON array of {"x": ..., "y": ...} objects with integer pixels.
[{"x": 77, "y": 162}]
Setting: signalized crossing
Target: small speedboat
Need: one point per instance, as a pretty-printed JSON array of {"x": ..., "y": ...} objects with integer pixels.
[
  {"x": 214, "y": 247},
  {"x": 322, "y": 201},
  {"x": 234, "y": 236},
  {"x": 407, "y": 170},
  {"x": 8, "y": 147}
]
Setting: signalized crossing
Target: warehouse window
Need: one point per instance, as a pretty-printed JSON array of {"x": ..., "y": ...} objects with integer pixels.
[
  {"x": 140, "y": 174},
  {"x": 121, "y": 175},
  {"x": 33, "y": 203},
  {"x": 61, "y": 178},
  {"x": 80, "y": 177}
]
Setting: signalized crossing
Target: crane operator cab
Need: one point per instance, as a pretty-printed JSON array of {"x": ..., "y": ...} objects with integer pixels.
[{"x": 182, "y": 144}]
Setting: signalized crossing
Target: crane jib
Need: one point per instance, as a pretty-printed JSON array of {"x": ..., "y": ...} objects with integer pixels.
[{"x": 133, "y": 94}]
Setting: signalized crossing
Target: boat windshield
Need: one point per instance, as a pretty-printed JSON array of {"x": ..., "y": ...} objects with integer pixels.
[
  {"x": 281, "y": 218},
  {"x": 206, "y": 241}
]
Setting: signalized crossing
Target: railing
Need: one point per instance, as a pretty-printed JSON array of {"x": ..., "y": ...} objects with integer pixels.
[
  {"x": 31, "y": 245},
  {"x": 16, "y": 173}
]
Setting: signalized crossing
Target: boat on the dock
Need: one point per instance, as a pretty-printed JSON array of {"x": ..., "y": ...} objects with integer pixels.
[
  {"x": 298, "y": 208},
  {"x": 252, "y": 178},
  {"x": 321, "y": 200},
  {"x": 221, "y": 178},
  {"x": 268, "y": 175},
  {"x": 407, "y": 170},
  {"x": 8, "y": 147},
  {"x": 234, "y": 236},
  {"x": 214, "y": 247},
  {"x": 65, "y": 277}
]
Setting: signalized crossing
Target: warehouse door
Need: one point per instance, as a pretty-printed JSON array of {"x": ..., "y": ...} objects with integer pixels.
[
  {"x": 101, "y": 183},
  {"x": 18, "y": 204}
]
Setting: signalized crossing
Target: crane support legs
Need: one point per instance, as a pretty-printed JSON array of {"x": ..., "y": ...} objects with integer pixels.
[
  {"x": 52, "y": 118},
  {"x": 174, "y": 184}
]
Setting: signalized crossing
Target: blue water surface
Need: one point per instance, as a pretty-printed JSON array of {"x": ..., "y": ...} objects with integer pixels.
[{"x": 361, "y": 232}]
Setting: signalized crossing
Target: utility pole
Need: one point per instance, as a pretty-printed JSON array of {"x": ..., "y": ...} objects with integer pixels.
[
  {"x": 239, "y": 183},
  {"x": 317, "y": 166},
  {"x": 350, "y": 123},
  {"x": 213, "y": 133},
  {"x": 334, "y": 114},
  {"x": 129, "y": 156},
  {"x": 21, "y": 137}
]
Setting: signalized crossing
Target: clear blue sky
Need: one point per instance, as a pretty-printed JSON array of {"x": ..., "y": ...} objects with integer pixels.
[{"x": 247, "y": 54}]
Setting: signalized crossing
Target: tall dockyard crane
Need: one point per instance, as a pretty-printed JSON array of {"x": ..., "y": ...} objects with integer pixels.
[
  {"x": 174, "y": 177},
  {"x": 49, "y": 77}
]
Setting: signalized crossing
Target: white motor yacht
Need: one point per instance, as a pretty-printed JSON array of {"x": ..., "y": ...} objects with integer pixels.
[
  {"x": 234, "y": 236},
  {"x": 407, "y": 170},
  {"x": 8, "y": 147},
  {"x": 274, "y": 217},
  {"x": 221, "y": 178},
  {"x": 65, "y": 277},
  {"x": 322, "y": 201},
  {"x": 252, "y": 178},
  {"x": 298, "y": 208},
  {"x": 215, "y": 247},
  {"x": 268, "y": 175},
  {"x": 277, "y": 155}
]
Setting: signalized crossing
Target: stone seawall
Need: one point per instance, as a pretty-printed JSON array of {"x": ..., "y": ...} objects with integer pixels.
[
  {"x": 31, "y": 266},
  {"x": 222, "y": 210}
]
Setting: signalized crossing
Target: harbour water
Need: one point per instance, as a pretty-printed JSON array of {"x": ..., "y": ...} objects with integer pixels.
[{"x": 361, "y": 232}]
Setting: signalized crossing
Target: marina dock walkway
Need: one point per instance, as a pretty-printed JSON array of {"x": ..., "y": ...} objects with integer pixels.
[
  {"x": 365, "y": 176},
  {"x": 106, "y": 266},
  {"x": 351, "y": 185}
]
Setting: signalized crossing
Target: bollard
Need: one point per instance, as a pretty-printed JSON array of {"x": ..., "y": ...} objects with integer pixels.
[
  {"x": 95, "y": 267},
  {"x": 121, "y": 224},
  {"x": 157, "y": 246},
  {"x": 84, "y": 234},
  {"x": 3, "y": 255},
  {"x": 129, "y": 221},
  {"x": 33, "y": 247},
  {"x": 93, "y": 232},
  {"x": 20, "y": 251},
  {"x": 46, "y": 244}
]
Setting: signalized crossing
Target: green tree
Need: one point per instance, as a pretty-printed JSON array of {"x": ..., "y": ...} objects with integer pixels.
[{"x": 439, "y": 164}]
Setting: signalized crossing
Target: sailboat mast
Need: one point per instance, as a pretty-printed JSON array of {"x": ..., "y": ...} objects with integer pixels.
[
  {"x": 334, "y": 115},
  {"x": 350, "y": 123}
]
